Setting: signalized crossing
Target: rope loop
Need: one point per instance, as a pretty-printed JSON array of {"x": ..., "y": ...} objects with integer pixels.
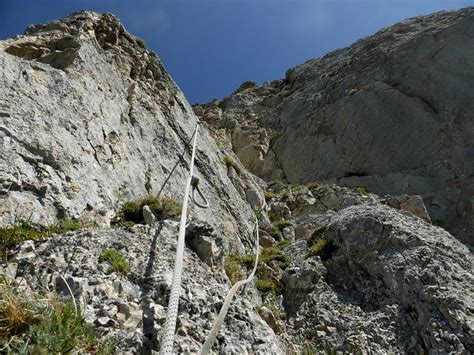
[{"x": 195, "y": 185}]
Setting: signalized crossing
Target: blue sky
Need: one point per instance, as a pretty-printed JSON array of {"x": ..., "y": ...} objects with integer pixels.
[{"x": 211, "y": 46}]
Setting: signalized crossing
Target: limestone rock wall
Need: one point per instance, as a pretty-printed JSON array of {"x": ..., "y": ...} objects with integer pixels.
[
  {"x": 89, "y": 119},
  {"x": 392, "y": 112}
]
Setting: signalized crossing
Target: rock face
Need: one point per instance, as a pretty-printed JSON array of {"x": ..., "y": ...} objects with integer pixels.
[
  {"x": 132, "y": 308},
  {"x": 392, "y": 112},
  {"x": 89, "y": 119},
  {"x": 382, "y": 281}
]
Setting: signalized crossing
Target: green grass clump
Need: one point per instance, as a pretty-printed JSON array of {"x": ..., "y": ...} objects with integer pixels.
[
  {"x": 362, "y": 190},
  {"x": 267, "y": 286},
  {"x": 236, "y": 266},
  {"x": 116, "y": 260},
  {"x": 161, "y": 206},
  {"x": 282, "y": 223},
  {"x": 30, "y": 324},
  {"x": 24, "y": 230},
  {"x": 230, "y": 162},
  {"x": 318, "y": 244},
  {"x": 274, "y": 254},
  {"x": 270, "y": 195},
  {"x": 141, "y": 42},
  {"x": 298, "y": 187},
  {"x": 313, "y": 186}
]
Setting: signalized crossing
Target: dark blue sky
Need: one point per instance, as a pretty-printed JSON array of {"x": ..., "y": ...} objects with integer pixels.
[{"x": 211, "y": 46}]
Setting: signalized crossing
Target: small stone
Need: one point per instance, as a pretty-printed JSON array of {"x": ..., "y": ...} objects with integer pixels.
[
  {"x": 104, "y": 322},
  {"x": 268, "y": 316},
  {"x": 148, "y": 215}
]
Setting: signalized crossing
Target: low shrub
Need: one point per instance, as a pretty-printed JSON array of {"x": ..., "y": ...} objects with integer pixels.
[
  {"x": 270, "y": 195},
  {"x": 141, "y": 42}
]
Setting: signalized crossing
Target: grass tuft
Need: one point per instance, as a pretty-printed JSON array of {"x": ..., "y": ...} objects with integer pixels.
[
  {"x": 30, "y": 324},
  {"x": 318, "y": 244},
  {"x": 270, "y": 195},
  {"x": 230, "y": 162},
  {"x": 141, "y": 42},
  {"x": 282, "y": 223},
  {"x": 116, "y": 260},
  {"x": 267, "y": 286},
  {"x": 161, "y": 206},
  {"x": 24, "y": 230}
]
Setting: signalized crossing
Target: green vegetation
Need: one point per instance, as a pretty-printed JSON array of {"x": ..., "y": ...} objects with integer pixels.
[
  {"x": 318, "y": 244},
  {"x": 236, "y": 267},
  {"x": 161, "y": 206},
  {"x": 267, "y": 286},
  {"x": 297, "y": 187},
  {"x": 141, "y": 42},
  {"x": 116, "y": 260},
  {"x": 270, "y": 195},
  {"x": 24, "y": 230},
  {"x": 274, "y": 254},
  {"x": 30, "y": 324},
  {"x": 362, "y": 190},
  {"x": 282, "y": 223},
  {"x": 229, "y": 162},
  {"x": 313, "y": 186}
]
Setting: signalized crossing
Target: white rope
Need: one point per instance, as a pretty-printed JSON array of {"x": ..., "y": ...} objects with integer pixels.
[
  {"x": 172, "y": 314},
  {"x": 206, "y": 348}
]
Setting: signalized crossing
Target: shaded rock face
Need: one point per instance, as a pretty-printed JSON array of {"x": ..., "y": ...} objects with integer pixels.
[
  {"x": 89, "y": 119},
  {"x": 392, "y": 112}
]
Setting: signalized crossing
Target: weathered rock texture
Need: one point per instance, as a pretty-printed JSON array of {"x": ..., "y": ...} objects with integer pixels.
[
  {"x": 132, "y": 308},
  {"x": 384, "y": 281},
  {"x": 90, "y": 119},
  {"x": 393, "y": 112}
]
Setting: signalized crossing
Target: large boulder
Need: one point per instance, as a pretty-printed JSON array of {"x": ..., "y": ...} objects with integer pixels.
[{"x": 391, "y": 283}]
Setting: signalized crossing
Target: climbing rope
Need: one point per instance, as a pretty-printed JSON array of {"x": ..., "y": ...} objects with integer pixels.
[
  {"x": 172, "y": 313},
  {"x": 206, "y": 348},
  {"x": 170, "y": 324}
]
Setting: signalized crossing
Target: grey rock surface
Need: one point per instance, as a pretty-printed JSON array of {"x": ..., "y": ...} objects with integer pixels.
[
  {"x": 392, "y": 112},
  {"x": 384, "y": 281},
  {"x": 132, "y": 308},
  {"x": 89, "y": 119}
]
